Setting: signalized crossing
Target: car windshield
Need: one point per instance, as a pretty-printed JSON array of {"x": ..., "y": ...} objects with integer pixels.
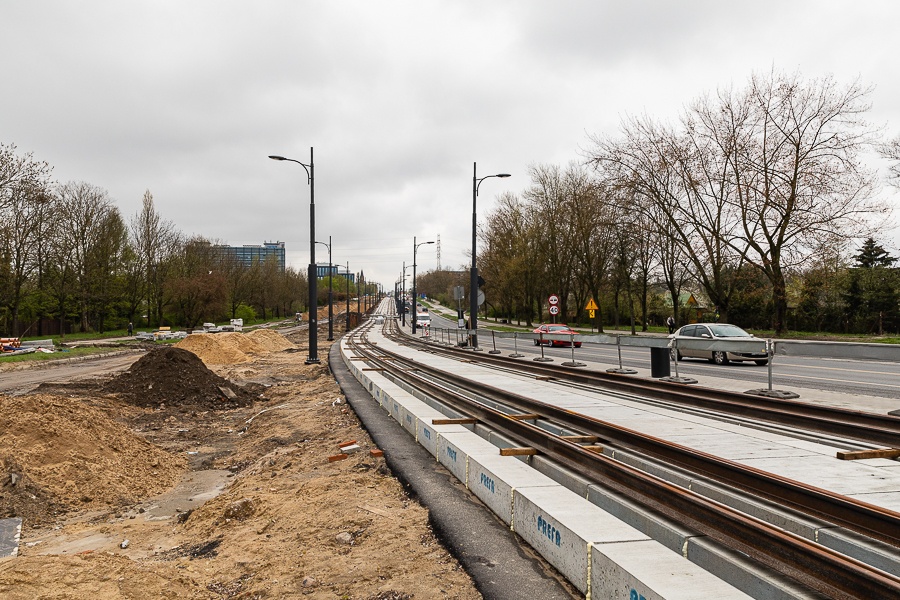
[
  {"x": 728, "y": 331},
  {"x": 558, "y": 328}
]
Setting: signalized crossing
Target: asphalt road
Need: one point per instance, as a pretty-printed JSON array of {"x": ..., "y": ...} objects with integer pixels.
[
  {"x": 863, "y": 377},
  {"x": 22, "y": 381}
]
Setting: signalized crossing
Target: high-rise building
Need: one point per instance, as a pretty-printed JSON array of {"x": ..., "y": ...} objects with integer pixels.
[
  {"x": 250, "y": 254},
  {"x": 336, "y": 271}
]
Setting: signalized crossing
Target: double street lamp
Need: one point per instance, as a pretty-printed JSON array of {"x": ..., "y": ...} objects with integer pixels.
[
  {"x": 415, "y": 298},
  {"x": 473, "y": 282},
  {"x": 311, "y": 275},
  {"x": 403, "y": 297},
  {"x": 330, "y": 296}
]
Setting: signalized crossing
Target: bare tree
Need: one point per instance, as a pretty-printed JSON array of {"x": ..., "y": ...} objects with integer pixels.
[
  {"x": 800, "y": 177},
  {"x": 21, "y": 225},
  {"x": 551, "y": 208},
  {"x": 88, "y": 219},
  {"x": 18, "y": 172},
  {"x": 679, "y": 184},
  {"x": 156, "y": 242},
  {"x": 594, "y": 217}
]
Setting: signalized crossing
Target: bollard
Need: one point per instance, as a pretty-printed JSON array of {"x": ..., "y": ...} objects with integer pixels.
[
  {"x": 573, "y": 362},
  {"x": 494, "y": 342},
  {"x": 542, "y": 358},
  {"x": 772, "y": 393},
  {"x": 515, "y": 353},
  {"x": 621, "y": 370}
]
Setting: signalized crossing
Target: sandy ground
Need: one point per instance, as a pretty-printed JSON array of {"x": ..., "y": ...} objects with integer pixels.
[{"x": 129, "y": 490}]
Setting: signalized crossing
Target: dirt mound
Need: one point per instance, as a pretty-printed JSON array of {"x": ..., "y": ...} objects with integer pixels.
[
  {"x": 214, "y": 348},
  {"x": 272, "y": 341},
  {"x": 57, "y": 454},
  {"x": 176, "y": 377}
]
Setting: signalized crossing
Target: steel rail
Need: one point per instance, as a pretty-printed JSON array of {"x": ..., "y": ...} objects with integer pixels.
[
  {"x": 817, "y": 567},
  {"x": 864, "y": 426},
  {"x": 864, "y": 518}
]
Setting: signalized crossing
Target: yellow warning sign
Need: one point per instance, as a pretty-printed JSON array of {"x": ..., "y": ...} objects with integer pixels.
[
  {"x": 591, "y": 313},
  {"x": 591, "y": 305}
]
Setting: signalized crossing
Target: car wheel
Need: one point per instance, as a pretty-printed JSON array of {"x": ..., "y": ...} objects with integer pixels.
[
  {"x": 537, "y": 343},
  {"x": 762, "y": 363},
  {"x": 720, "y": 358},
  {"x": 675, "y": 354}
]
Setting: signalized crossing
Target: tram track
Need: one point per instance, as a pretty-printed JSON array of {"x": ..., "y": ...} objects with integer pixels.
[
  {"x": 872, "y": 428},
  {"x": 528, "y": 423}
]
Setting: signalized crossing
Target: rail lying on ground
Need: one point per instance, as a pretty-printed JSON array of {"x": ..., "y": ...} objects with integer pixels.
[
  {"x": 817, "y": 567},
  {"x": 858, "y": 425}
]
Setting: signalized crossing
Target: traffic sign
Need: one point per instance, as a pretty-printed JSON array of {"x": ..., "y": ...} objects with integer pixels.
[
  {"x": 554, "y": 310},
  {"x": 553, "y": 299},
  {"x": 591, "y": 314},
  {"x": 479, "y": 299},
  {"x": 591, "y": 305}
]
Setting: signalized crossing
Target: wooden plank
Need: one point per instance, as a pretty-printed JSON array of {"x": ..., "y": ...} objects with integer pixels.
[
  {"x": 524, "y": 417},
  {"x": 518, "y": 451},
  {"x": 597, "y": 449},
  {"x": 582, "y": 439},
  {"x": 373, "y": 369},
  {"x": 461, "y": 421},
  {"x": 861, "y": 454}
]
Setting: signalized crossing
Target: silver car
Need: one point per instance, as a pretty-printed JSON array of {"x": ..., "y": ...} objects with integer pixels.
[{"x": 715, "y": 332}]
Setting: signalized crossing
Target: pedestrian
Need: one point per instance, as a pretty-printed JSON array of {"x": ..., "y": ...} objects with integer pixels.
[
  {"x": 130, "y": 328},
  {"x": 671, "y": 323}
]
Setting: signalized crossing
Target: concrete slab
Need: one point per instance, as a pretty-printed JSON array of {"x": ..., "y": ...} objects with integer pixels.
[
  {"x": 888, "y": 500},
  {"x": 559, "y": 525},
  {"x": 454, "y": 449},
  {"x": 10, "y": 533},
  {"x": 723, "y": 444},
  {"x": 493, "y": 478},
  {"x": 841, "y": 476},
  {"x": 880, "y": 555},
  {"x": 757, "y": 582},
  {"x": 645, "y": 570},
  {"x": 566, "y": 478}
]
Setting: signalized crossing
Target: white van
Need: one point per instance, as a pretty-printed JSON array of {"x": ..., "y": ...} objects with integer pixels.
[{"x": 423, "y": 320}]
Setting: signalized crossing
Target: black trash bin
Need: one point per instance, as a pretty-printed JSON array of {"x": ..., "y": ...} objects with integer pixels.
[{"x": 659, "y": 362}]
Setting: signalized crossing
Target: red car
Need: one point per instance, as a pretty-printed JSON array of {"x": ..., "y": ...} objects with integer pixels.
[{"x": 555, "y": 330}]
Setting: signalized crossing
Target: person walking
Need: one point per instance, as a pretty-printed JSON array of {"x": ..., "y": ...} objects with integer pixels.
[
  {"x": 671, "y": 323},
  {"x": 130, "y": 328}
]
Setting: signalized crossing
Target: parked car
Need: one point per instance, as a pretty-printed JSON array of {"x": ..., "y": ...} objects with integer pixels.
[
  {"x": 716, "y": 331},
  {"x": 555, "y": 330}
]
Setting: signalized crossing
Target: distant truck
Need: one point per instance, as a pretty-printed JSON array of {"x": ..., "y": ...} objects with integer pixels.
[{"x": 423, "y": 319}]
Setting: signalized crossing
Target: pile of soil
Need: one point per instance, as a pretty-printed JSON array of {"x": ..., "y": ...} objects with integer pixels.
[
  {"x": 218, "y": 348},
  {"x": 291, "y": 522},
  {"x": 272, "y": 341},
  {"x": 57, "y": 454},
  {"x": 172, "y": 376}
]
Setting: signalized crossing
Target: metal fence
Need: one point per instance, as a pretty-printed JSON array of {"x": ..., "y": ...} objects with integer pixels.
[{"x": 771, "y": 347}]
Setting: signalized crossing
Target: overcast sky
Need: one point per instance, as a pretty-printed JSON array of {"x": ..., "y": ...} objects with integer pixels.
[{"x": 398, "y": 98}]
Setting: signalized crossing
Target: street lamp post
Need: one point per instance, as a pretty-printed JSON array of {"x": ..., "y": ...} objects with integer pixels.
[
  {"x": 415, "y": 297},
  {"x": 330, "y": 302},
  {"x": 347, "y": 274},
  {"x": 473, "y": 281},
  {"x": 403, "y": 297},
  {"x": 313, "y": 312}
]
